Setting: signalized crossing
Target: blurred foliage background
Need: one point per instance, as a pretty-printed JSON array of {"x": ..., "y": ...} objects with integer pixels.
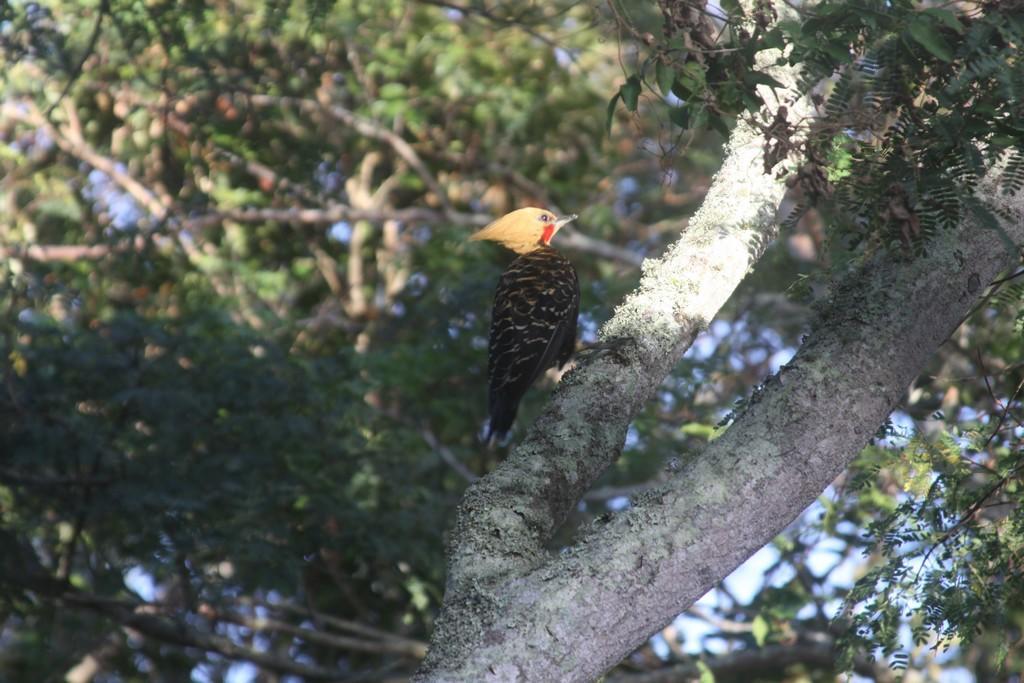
[{"x": 243, "y": 343}]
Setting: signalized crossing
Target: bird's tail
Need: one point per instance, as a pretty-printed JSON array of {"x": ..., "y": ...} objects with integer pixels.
[{"x": 503, "y": 414}]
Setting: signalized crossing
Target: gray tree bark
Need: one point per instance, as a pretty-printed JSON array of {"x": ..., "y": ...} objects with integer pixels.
[{"x": 513, "y": 611}]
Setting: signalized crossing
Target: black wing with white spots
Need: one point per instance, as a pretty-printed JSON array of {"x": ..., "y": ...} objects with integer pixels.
[{"x": 533, "y": 327}]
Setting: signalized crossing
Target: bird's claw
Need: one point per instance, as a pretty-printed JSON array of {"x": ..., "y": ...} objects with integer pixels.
[{"x": 613, "y": 345}]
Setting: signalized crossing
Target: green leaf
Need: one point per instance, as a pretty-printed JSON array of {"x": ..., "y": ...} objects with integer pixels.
[
  {"x": 752, "y": 103},
  {"x": 733, "y": 9},
  {"x": 630, "y": 92},
  {"x": 946, "y": 17},
  {"x": 665, "y": 75},
  {"x": 774, "y": 38},
  {"x": 837, "y": 51},
  {"x": 680, "y": 116},
  {"x": 722, "y": 124},
  {"x": 391, "y": 91},
  {"x": 759, "y": 629},
  {"x": 700, "y": 118},
  {"x": 791, "y": 29},
  {"x": 761, "y": 78},
  {"x": 682, "y": 90},
  {"x": 706, "y": 674},
  {"x": 924, "y": 32},
  {"x": 694, "y": 74},
  {"x": 611, "y": 113}
]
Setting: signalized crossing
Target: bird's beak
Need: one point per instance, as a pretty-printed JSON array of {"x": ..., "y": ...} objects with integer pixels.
[{"x": 565, "y": 219}]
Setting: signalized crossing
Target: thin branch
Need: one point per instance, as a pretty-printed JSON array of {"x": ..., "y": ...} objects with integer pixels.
[
  {"x": 981, "y": 502},
  {"x": 331, "y": 214},
  {"x": 722, "y": 624},
  {"x": 993, "y": 288},
  {"x": 160, "y": 206},
  {"x": 341, "y": 624},
  {"x": 146, "y": 619},
  {"x": 405, "y": 648},
  {"x": 751, "y": 663},
  {"x": 363, "y": 126},
  {"x": 448, "y": 456},
  {"x": 261, "y": 172},
  {"x": 523, "y": 613},
  {"x": 1013, "y": 276},
  {"x": 46, "y": 253},
  {"x": 94, "y": 662},
  {"x": 483, "y": 13},
  {"x": 1005, "y": 409},
  {"x": 20, "y": 479},
  {"x": 335, "y": 213},
  {"x": 74, "y": 145},
  {"x": 22, "y": 570},
  {"x": 103, "y": 10}
]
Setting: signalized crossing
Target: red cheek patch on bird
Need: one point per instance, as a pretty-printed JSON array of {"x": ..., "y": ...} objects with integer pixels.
[{"x": 549, "y": 232}]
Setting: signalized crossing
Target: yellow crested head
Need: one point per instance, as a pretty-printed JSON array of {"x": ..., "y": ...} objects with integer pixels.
[{"x": 523, "y": 230}]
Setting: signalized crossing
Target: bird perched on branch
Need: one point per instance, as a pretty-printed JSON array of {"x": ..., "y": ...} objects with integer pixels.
[{"x": 533, "y": 324}]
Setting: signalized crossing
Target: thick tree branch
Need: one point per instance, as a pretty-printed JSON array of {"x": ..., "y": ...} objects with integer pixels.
[
  {"x": 583, "y": 429},
  {"x": 536, "y": 617},
  {"x": 506, "y": 518},
  {"x": 515, "y": 612}
]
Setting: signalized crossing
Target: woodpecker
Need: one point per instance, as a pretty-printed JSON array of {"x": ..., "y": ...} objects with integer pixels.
[{"x": 533, "y": 323}]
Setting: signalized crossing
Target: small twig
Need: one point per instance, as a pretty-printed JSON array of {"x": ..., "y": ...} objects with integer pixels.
[
  {"x": 413, "y": 649},
  {"x": 342, "y": 624},
  {"x": 47, "y": 253},
  {"x": 333, "y": 212},
  {"x": 501, "y": 21},
  {"x": 77, "y": 147},
  {"x": 95, "y": 661},
  {"x": 1005, "y": 409},
  {"x": 149, "y": 620},
  {"x": 1002, "y": 481},
  {"x": 448, "y": 456},
  {"x": 722, "y": 624},
  {"x": 993, "y": 288},
  {"x": 366, "y": 127},
  {"x": 103, "y": 9},
  {"x": 1007, "y": 278},
  {"x": 34, "y": 480}
]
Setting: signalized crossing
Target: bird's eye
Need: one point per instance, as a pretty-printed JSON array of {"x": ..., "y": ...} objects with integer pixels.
[{"x": 545, "y": 218}]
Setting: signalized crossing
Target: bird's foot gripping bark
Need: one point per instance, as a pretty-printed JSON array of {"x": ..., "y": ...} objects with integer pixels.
[{"x": 614, "y": 345}]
